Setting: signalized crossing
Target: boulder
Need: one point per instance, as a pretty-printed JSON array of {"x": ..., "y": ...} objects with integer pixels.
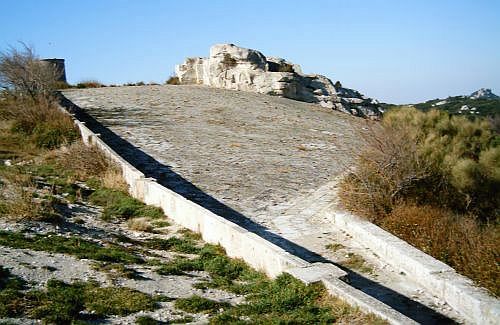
[{"x": 233, "y": 67}]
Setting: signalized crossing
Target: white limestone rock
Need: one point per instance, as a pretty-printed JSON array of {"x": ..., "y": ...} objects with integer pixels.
[{"x": 233, "y": 67}]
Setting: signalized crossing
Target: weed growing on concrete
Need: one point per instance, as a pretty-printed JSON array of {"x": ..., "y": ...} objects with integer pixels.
[
  {"x": 356, "y": 262},
  {"x": 334, "y": 246},
  {"x": 188, "y": 234},
  {"x": 160, "y": 223}
]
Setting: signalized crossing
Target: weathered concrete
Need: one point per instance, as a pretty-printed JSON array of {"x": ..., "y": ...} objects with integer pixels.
[
  {"x": 357, "y": 298},
  {"x": 474, "y": 303},
  {"x": 264, "y": 163},
  {"x": 238, "y": 242}
]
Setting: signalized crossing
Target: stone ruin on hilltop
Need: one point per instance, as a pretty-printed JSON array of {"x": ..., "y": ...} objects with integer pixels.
[{"x": 233, "y": 67}]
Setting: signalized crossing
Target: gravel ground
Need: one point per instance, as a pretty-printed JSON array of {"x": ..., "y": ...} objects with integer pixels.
[{"x": 37, "y": 267}]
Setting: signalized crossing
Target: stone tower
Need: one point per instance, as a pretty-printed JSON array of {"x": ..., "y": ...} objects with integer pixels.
[{"x": 59, "y": 65}]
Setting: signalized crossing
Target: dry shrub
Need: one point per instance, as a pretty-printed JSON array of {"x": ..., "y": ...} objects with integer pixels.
[
  {"x": 84, "y": 161},
  {"x": 17, "y": 201},
  {"x": 89, "y": 84},
  {"x": 140, "y": 224},
  {"x": 87, "y": 162},
  {"x": 113, "y": 179},
  {"x": 39, "y": 120},
  {"x": 173, "y": 81},
  {"x": 459, "y": 241},
  {"x": 388, "y": 168}
]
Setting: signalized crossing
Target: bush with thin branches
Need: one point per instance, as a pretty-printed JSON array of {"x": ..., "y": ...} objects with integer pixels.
[{"x": 23, "y": 74}]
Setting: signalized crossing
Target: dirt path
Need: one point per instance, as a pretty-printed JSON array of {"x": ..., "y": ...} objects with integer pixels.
[{"x": 267, "y": 163}]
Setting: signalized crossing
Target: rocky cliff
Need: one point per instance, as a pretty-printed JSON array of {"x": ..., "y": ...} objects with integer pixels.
[{"x": 233, "y": 67}]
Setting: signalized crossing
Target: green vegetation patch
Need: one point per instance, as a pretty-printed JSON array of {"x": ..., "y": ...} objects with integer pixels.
[
  {"x": 197, "y": 304},
  {"x": 69, "y": 245},
  {"x": 118, "y": 204},
  {"x": 285, "y": 300},
  {"x": 225, "y": 273},
  {"x": 10, "y": 298},
  {"x": 175, "y": 244},
  {"x": 117, "y": 301},
  {"x": 61, "y": 303}
]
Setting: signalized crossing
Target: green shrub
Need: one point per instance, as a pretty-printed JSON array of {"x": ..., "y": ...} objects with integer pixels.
[
  {"x": 429, "y": 158},
  {"x": 59, "y": 304},
  {"x": 173, "y": 244}
]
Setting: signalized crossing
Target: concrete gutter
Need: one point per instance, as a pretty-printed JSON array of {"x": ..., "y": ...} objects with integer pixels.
[{"x": 472, "y": 302}]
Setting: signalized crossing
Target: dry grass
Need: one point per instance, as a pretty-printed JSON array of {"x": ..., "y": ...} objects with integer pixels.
[
  {"x": 113, "y": 179},
  {"x": 458, "y": 241},
  {"x": 87, "y": 162},
  {"x": 18, "y": 204},
  {"x": 140, "y": 224},
  {"x": 334, "y": 247},
  {"x": 82, "y": 160},
  {"x": 345, "y": 313}
]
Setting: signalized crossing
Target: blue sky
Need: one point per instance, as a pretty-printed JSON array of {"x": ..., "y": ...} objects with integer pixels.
[{"x": 397, "y": 51}]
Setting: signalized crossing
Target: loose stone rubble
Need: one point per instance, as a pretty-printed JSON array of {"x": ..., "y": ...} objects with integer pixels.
[{"x": 233, "y": 67}]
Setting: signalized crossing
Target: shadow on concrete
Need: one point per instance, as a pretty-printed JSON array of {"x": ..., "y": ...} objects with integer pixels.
[{"x": 175, "y": 182}]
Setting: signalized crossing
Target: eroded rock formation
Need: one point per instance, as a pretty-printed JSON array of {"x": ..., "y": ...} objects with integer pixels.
[{"x": 233, "y": 67}]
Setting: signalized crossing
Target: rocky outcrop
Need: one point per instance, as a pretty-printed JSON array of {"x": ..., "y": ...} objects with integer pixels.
[
  {"x": 483, "y": 93},
  {"x": 233, "y": 67}
]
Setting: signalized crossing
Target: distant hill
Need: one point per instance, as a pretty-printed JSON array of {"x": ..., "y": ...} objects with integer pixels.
[{"x": 480, "y": 103}]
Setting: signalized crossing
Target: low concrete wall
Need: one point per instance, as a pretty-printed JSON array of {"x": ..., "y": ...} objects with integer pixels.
[
  {"x": 473, "y": 303},
  {"x": 237, "y": 241}
]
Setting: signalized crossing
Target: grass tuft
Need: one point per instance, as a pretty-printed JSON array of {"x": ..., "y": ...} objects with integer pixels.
[{"x": 197, "y": 304}]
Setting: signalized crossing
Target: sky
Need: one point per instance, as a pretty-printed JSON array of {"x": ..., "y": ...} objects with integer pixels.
[{"x": 398, "y": 51}]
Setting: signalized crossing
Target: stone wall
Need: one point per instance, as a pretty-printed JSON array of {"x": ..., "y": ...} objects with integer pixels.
[{"x": 233, "y": 67}]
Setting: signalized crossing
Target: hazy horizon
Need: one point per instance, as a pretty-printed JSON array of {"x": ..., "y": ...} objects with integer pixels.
[{"x": 394, "y": 51}]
